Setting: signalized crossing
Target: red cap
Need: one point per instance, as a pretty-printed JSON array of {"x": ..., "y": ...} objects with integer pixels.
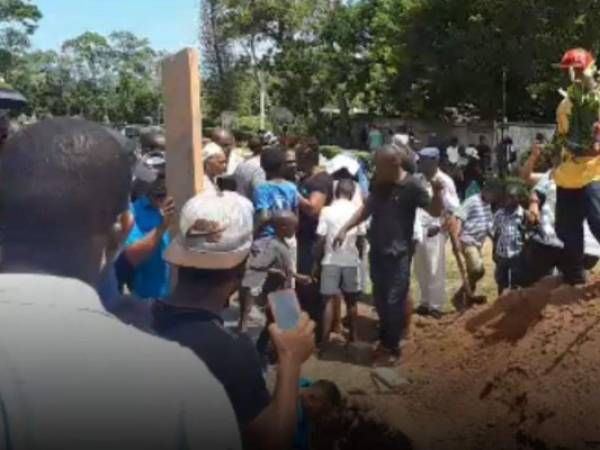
[{"x": 577, "y": 58}]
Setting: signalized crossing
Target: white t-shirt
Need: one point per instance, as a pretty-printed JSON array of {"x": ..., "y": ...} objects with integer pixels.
[
  {"x": 208, "y": 185},
  {"x": 453, "y": 154},
  {"x": 235, "y": 159},
  {"x": 73, "y": 376},
  {"x": 332, "y": 219}
]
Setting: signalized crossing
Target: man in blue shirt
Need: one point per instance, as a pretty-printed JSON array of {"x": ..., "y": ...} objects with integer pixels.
[
  {"x": 150, "y": 276},
  {"x": 276, "y": 194}
]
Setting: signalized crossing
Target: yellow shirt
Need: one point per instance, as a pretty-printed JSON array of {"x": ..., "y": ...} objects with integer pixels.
[{"x": 575, "y": 172}]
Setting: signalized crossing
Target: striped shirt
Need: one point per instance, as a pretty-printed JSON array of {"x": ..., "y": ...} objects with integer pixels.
[
  {"x": 508, "y": 232},
  {"x": 477, "y": 220}
]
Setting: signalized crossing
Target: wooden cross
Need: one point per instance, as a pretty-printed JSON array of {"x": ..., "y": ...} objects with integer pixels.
[{"x": 183, "y": 123}]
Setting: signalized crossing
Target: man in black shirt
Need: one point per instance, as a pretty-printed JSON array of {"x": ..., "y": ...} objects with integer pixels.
[
  {"x": 316, "y": 192},
  {"x": 210, "y": 253},
  {"x": 392, "y": 206},
  {"x": 485, "y": 153}
]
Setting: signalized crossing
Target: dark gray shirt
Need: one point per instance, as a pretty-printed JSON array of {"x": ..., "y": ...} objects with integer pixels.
[
  {"x": 247, "y": 176},
  {"x": 268, "y": 253},
  {"x": 392, "y": 209}
]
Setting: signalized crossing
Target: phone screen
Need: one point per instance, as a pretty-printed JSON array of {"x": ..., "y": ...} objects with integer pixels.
[{"x": 286, "y": 309}]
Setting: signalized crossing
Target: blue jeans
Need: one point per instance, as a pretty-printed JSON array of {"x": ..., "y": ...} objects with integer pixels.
[
  {"x": 573, "y": 206},
  {"x": 390, "y": 275}
]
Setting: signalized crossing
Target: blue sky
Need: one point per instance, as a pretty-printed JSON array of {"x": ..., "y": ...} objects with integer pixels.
[{"x": 168, "y": 24}]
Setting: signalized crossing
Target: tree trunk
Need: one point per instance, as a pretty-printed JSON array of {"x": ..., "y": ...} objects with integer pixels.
[
  {"x": 212, "y": 6},
  {"x": 260, "y": 78},
  {"x": 345, "y": 127}
]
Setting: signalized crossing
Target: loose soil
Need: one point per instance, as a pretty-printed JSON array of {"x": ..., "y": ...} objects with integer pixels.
[{"x": 522, "y": 372}]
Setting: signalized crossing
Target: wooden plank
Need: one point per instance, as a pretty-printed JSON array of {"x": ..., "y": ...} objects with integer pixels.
[{"x": 183, "y": 122}]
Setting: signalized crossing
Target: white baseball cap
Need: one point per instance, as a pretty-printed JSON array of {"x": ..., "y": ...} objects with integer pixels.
[{"x": 215, "y": 232}]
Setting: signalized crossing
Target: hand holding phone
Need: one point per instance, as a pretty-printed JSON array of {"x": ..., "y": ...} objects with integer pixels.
[
  {"x": 294, "y": 346},
  {"x": 285, "y": 308}
]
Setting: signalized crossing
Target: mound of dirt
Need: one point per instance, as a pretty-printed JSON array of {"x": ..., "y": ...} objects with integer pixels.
[{"x": 523, "y": 372}]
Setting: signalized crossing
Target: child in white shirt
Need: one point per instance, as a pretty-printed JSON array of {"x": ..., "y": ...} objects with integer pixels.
[{"x": 341, "y": 266}]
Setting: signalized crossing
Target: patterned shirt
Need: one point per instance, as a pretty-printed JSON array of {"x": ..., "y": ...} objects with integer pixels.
[
  {"x": 477, "y": 220},
  {"x": 508, "y": 232},
  {"x": 546, "y": 187},
  {"x": 274, "y": 196}
]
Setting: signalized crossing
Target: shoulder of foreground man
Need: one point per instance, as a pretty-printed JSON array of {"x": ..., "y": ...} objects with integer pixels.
[{"x": 106, "y": 372}]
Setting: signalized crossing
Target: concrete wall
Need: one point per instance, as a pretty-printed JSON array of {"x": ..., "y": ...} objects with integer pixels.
[{"x": 522, "y": 133}]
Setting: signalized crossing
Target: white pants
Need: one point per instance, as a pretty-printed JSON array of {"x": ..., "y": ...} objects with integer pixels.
[
  {"x": 293, "y": 245},
  {"x": 430, "y": 269}
]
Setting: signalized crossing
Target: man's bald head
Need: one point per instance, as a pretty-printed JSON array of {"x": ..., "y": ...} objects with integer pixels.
[
  {"x": 62, "y": 178},
  {"x": 224, "y": 139},
  {"x": 390, "y": 160}
]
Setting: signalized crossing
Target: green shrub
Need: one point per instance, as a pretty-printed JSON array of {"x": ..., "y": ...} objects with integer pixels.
[
  {"x": 251, "y": 124},
  {"x": 330, "y": 151}
]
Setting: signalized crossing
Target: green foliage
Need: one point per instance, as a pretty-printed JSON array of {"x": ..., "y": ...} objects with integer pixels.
[
  {"x": 414, "y": 57},
  {"x": 583, "y": 118},
  {"x": 250, "y": 124},
  {"x": 21, "y": 12},
  {"x": 550, "y": 154},
  {"x": 330, "y": 151},
  {"x": 98, "y": 77},
  {"x": 18, "y": 19}
]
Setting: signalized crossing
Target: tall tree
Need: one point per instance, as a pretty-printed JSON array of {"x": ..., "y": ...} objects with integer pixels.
[
  {"x": 218, "y": 61},
  {"x": 458, "y": 50},
  {"x": 18, "y": 19}
]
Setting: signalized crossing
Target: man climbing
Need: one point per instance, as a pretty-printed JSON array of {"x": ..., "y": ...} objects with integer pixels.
[{"x": 578, "y": 176}]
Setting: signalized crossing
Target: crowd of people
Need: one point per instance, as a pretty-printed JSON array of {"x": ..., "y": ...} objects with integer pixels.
[{"x": 112, "y": 312}]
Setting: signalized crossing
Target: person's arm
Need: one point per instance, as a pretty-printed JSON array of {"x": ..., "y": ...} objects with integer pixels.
[
  {"x": 436, "y": 206},
  {"x": 527, "y": 171},
  {"x": 361, "y": 243},
  {"x": 312, "y": 205},
  {"x": 319, "y": 252},
  {"x": 262, "y": 219},
  {"x": 533, "y": 213},
  {"x": 319, "y": 246},
  {"x": 261, "y": 205},
  {"x": 273, "y": 428},
  {"x": 359, "y": 217},
  {"x": 141, "y": 250}
]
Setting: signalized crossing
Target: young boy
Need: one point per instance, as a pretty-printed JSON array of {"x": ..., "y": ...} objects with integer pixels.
[
  {"x": 270, "y": 266},
  {"x": 508, "y": 230},
  {"x": 274, "y": 196},
  {"x": 340, "y": 272}
]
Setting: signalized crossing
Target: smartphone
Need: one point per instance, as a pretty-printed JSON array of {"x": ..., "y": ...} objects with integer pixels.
[{"x": 286, "y": 309}]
